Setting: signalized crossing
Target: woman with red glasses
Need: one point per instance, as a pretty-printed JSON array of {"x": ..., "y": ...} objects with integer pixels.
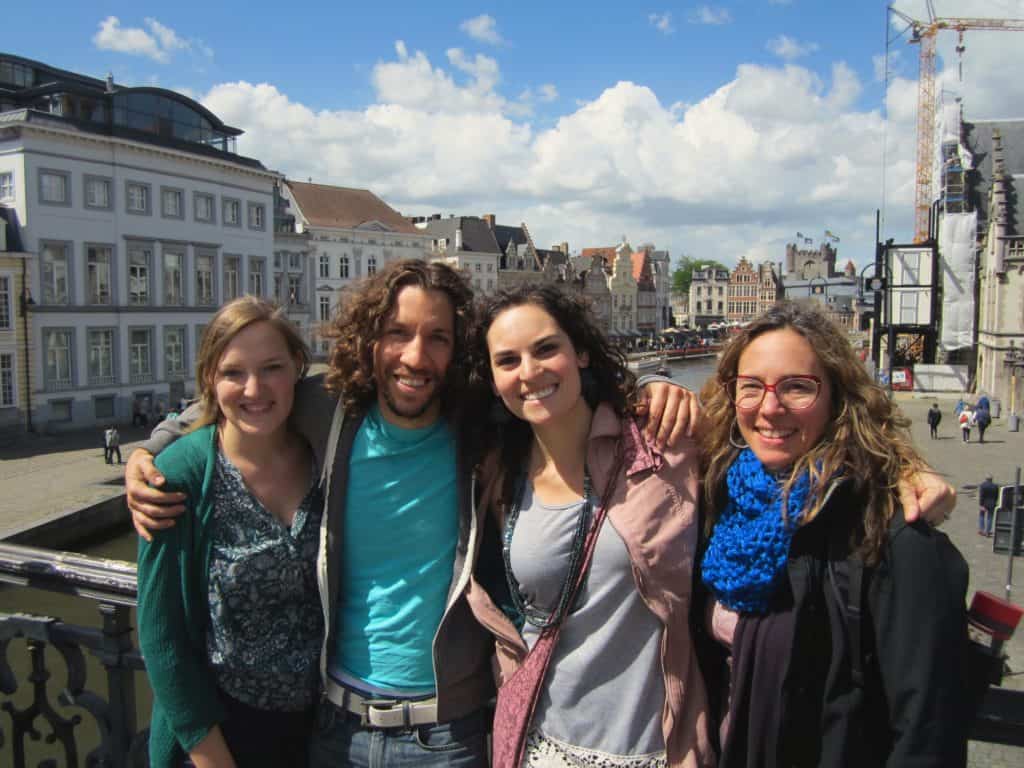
[{"x": 845, "y": 624}]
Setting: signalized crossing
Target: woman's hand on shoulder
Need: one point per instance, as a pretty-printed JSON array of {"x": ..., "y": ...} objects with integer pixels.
[
  {"x": 672, "y": 413},
  {"x": 924, "y": 495}
]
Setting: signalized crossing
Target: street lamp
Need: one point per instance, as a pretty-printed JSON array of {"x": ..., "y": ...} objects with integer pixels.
[
  {"x": 879, "y": 285},
  {"x": 25, "y": 301}
]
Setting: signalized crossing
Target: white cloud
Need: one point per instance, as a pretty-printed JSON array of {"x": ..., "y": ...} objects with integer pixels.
[
  {"x": 707, "y": 14},
  {"x": 483, "y": 28},
  {"x": 788, "y": 48},
  {"x": 547, "y": 92},
  {"x": 157, "y": 44},
  {"x": 662, "y": 22}
]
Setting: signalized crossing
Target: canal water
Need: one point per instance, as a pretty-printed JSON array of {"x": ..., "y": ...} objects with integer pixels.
[{"x": 122, "y": 546}]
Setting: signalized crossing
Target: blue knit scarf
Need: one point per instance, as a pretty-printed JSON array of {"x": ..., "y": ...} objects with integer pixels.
[{"x": 746, "y": 557}]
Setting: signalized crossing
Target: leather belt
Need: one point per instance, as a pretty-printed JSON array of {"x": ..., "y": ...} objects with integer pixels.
[{"x": 376, "y": 712}]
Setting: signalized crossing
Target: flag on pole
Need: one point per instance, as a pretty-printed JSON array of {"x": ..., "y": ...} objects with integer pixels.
[{"x": 830, "y": 236}]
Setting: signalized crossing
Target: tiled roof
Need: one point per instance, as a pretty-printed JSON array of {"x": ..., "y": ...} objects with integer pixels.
[
  {"x": 477, "y": 236},
  {"x": 325, "y": 206}
]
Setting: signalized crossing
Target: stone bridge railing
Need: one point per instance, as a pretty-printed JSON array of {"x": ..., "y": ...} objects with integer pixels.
[{"x": 111, "y": 585}]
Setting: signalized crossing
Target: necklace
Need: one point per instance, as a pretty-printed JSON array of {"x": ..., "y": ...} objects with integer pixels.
[{"x": 532, "y": 615}]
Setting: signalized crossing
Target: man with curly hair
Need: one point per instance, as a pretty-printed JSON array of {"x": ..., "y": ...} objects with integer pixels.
[{"x": 404, "y": 667}]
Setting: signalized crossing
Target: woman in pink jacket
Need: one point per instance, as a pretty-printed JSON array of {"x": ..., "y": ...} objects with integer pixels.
[{"x": 623, "y": 687}]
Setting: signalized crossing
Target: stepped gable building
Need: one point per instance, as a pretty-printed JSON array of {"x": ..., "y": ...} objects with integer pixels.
[
  {"x": 769, "y": 286},
  {"x": 466, "y": 243},
  {"x": 591, "y": 282},
  {"x": 997, "y": 148},
  {"x": 623, "y": 288},
  {"x": 743, "y": 292},
  {"x": 646, "y": 293},
  {"x": 661, "y": 265},
  {"x": 140, "y": 218},
  {"x": 329, "y": 237}
]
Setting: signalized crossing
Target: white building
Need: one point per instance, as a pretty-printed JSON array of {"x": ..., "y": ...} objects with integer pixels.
[
  {"x": 468, "y": 243},
  {"x": 623, "y": 288},
  {"x": 350, "y": 233},
  {"x": 708, "y": 296},
  {"x": 142, "y": 220}
]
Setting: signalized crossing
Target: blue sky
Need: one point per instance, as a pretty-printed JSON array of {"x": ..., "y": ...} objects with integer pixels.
[{"x": 714, "y": 129}]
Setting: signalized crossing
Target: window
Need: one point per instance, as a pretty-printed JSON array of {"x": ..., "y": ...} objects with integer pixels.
[
  {"x": 7, "y": 186},
  {"x": 55, "y": 187},
  {"x": 174, "y": 278},
  {"x": 174, "y": 352},
  {"x": 172, "y": 203},
  {"x": 54, "y": 273},
  {"x": 204, "y": 278},
  {"x": 103, "y": 407},
  {"x": 57, "y": 349},
  {"x": 232, "y": 270},
  {"x": 371, "y": 265},
  {"x": 277, "y": 261},
  {"x": 279, "y": 288},
  {"x": 325, "y": 309},
  {"x": 325, "y": 265},
  {"x": 478, "y": 266},
  {"x": 98, "y": 192},
  {"x": 6, "y": 379},
  {"x": 60, "y": 410},
  {"x": 98, "y": 264},
  {"x": 232, "y": 212},
  {"x": 294, "y": 261},
  {"x": 203, "y": 205},
  {"x": 343, "y": 266},
  {"x": 5, "y": 302},
  {"x": 138, "y": 274},
  {"x": 257, "y": 216},
  {"x": 136, "y": 197},
  {"x": 256, "y": 285},
  {"x": 140, "y": 346},
  {"x": 101, "y": 355},
  {"x": 294, "y": 289}
]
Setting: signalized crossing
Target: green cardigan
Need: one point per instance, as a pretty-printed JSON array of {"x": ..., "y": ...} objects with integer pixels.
[{"x": 173, "y": 607}]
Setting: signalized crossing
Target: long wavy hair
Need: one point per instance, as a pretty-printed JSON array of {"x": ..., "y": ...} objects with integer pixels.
[
  {"x": 606, "y": 379},
  {"x": 358, "y": 325},
  {"x": 230, "y": 320},
  {"x": 866, "y": 440}
]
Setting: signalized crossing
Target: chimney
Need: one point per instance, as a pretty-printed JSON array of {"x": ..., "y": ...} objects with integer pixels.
[{"x": 489, "y": 218}]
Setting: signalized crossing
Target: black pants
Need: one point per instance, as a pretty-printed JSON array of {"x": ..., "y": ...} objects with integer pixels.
[{"x": 264, "y": 738}]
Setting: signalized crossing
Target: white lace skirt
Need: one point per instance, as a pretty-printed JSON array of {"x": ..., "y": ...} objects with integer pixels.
[{"x": 545, "y": 752}]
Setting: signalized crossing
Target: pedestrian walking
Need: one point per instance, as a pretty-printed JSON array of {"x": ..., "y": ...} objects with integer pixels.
[
  {"x": 982, "y": 417},
  {"x": 966, "y": 419},
  {"x": 934, "y": 417},
  {"x": 106, "y": 444},
  {"x": 113, "y": 442},
  {"x": 988, "y": 497}
]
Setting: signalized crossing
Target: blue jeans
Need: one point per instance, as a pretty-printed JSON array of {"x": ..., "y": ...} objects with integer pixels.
[
  {"x": 339, "y": 741},
  {"x": 985, "y": 520}
]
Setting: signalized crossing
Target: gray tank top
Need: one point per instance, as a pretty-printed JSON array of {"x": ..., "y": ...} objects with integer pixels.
[{"x": 605, "y": 690}]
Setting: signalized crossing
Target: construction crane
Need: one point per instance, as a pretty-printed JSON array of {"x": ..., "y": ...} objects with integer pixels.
[{"x": 924, "y": 33}]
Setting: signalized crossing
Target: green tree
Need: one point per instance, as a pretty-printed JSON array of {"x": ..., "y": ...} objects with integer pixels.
[{"x": 683, "y": 275}]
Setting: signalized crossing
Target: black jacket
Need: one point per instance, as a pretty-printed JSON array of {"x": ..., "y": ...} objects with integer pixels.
[{"x": 910, "y": 709}]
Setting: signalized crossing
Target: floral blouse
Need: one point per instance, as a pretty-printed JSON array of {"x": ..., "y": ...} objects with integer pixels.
[{"x": 266, "y": 623}]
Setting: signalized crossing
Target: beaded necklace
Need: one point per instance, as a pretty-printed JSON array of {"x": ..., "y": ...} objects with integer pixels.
[{"x": 532, "y": 615}]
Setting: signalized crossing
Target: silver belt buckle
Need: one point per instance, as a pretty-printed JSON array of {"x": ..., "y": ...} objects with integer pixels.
[{"x": 384, "y": 706}]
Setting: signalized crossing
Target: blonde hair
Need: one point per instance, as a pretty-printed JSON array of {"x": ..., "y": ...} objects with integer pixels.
[
  {"x": 866, "y": 440},
  {"x": 230, "y": 320}
]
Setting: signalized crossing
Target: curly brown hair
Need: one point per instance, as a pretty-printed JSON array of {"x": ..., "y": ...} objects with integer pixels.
[
  {"x": 866, "y": 441},
  {"x": 606, "y": 379},
  {"x": 359, "y": 323}
]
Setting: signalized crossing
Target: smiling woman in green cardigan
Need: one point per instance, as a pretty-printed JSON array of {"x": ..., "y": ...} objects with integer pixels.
[{"x": 229, "y": 620}]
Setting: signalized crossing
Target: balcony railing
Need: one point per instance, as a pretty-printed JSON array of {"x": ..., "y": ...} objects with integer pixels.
[{"x": 111, "y": 585}]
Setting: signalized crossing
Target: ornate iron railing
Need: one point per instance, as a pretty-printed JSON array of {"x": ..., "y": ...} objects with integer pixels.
[{"x": 111, "y": 584}]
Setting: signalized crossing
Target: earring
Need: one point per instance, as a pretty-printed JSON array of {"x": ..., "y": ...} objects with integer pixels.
[
  {"x": 733, "y": 440},
  {"x": 499, "y": 414}
]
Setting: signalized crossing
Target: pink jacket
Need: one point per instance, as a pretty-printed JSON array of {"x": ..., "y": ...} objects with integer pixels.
[{"x": 654, "y": 510}]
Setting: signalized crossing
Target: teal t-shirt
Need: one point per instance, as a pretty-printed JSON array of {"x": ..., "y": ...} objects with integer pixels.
[{"x": 401, "y": 528}]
